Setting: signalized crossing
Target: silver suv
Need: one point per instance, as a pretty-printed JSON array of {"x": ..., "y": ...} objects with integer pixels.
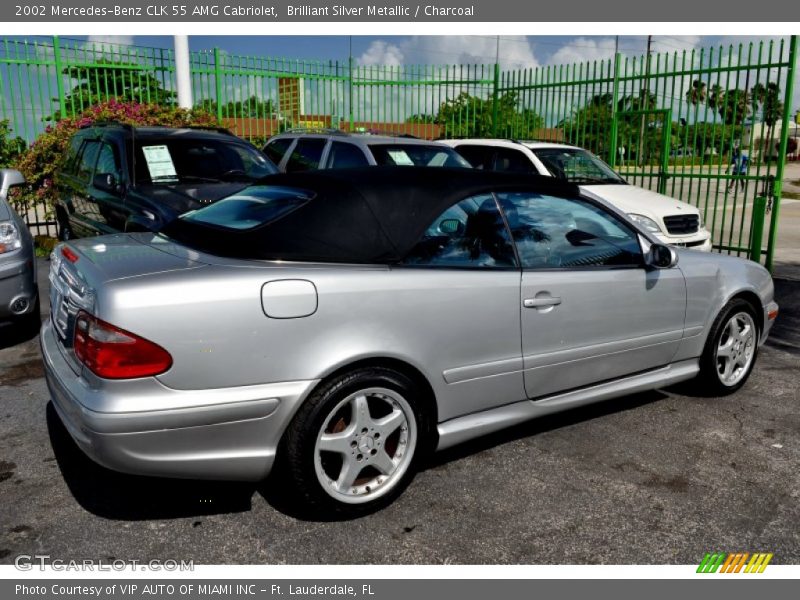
[{"x": 311, "y": 149}]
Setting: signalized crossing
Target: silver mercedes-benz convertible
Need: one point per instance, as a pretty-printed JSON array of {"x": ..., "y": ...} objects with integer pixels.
[{"x": 345, "y": 324}]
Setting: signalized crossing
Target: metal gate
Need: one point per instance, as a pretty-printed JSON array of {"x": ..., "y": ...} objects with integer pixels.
[
  {"x": 686, "y": 118},
  {"x": 733, "y": 197}
]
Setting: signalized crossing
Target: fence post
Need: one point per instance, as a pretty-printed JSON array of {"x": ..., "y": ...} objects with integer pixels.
[
  {"x": 757, "y": 233},
  {"x": 350, "y": 89},
  {"x": 218, "y": 84},
  {"x": 495, "y": 98},
  {"x": 787, "y": 113},
  {"x": 664, "y": 168},
  {"x": 612, "y": 158},
  {"x": 62, "y": 102}
]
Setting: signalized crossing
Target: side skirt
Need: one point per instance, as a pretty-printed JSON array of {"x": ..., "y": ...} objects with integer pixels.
[{"x": 462, "y": 429}]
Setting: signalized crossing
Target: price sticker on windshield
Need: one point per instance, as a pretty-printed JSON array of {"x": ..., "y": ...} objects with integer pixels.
[{"x": 159, "y": 163}]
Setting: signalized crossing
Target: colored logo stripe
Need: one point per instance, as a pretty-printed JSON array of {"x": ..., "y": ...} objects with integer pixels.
[
  {"x": 759, "y": 561},
  {"x": 734, "y": 562}
]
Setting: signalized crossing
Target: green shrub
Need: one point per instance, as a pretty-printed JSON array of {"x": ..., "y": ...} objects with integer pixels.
[
  {"x": 10, "y": 146},
  {"x": 41, "y": 160}
]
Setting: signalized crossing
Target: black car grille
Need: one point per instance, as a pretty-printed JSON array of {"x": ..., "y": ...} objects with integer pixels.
[{"x": 682, "y": 224}]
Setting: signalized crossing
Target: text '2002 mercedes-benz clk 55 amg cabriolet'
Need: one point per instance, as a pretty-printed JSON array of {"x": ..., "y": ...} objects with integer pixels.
[{"x": 345, "y": 324}]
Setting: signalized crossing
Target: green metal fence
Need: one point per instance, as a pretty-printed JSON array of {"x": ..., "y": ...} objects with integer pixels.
[{"x": 680, "y": 123}]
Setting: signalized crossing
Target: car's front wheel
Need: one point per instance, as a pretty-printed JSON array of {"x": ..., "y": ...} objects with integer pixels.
[
  {"x": 731, "y": 349},
  {"x": 354, "y": 444}
]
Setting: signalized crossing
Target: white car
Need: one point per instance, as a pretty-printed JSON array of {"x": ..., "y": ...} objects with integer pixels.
[{"x": 670, "y": 220}]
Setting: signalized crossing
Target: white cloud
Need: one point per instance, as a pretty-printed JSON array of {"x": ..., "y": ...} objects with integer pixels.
[
  {"x": 114, "y": 40},
  {"x": 382, "y": 53},
  {"x": 582, "y": 50},
  {"x": 515, "y": 51}
]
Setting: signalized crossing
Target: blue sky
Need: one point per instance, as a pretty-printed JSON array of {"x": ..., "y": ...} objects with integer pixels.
[{"x": 515, "y": 50}]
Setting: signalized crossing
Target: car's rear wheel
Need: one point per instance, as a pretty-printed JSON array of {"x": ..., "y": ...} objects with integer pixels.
[
  {"x": 354, "y": 444},
  {"x": 64, "y": 230},
  {"x": 731, "y": 349}
]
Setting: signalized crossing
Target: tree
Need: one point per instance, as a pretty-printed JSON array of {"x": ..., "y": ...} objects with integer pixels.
[
  {"x": 768, "y": 99},
  {"x": 591, "y": 124},
  {"x": 111, "y": 80},
  {"x": 252, "y": 107},
  {"x": 10, "y": 146},
  {"x": 697, "y": 93},
  {"x": 732, "y": 105},
  {"x": 472, "y": 116},
  {"x": 421, "y": 119}
]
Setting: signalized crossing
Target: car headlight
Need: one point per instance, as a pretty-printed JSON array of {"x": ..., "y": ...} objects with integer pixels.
[
  {"x": 9, "y": 237},
  {"x": 646, "y": 222},
  {"x": 701, "y": 222}
]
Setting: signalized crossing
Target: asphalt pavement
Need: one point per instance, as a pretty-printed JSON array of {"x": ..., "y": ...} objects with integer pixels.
[{"x": 661, "y": 477}]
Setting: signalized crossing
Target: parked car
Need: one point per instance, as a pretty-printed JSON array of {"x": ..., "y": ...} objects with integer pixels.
[
  {"x": 19, "y": 293},
  {"x": 670, "y": 220},
  {"x": 306, "y": 150},
  {"x": 345, "y": 323},
  {"x": 117, "y": 178}
]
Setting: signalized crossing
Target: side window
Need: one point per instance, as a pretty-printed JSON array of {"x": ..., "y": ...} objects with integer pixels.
[
  {"x": 479, "y": 157},
  {"x": 108, "y": 162},
  {"x": 345, "y": 156},
  {"x": 552, "y": 232},
  {"x": 512, "y": 161},
  {"x": 87, "y": 160},
  {"x": 70, "y": 164},
  {"x": 277, "y": 148},
  {"x": 306, "y": 155},
  {"x": 471, "y": 233}
]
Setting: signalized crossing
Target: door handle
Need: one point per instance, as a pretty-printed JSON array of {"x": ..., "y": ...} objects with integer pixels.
[{"x": 540, "y": 302}]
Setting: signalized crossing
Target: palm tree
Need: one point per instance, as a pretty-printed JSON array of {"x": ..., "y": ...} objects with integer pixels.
[
  {"x": 697, "y": 93},
  {"x": 767, "y": 97}
]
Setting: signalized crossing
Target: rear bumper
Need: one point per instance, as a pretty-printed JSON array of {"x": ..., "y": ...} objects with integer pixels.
[
  {"x": 230, "y": 433},
  {"x": 17, "y": 282}
]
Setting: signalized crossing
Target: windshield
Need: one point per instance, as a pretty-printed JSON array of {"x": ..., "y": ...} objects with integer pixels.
[
  {"x": 576, "y": 166},
  {"x": 253, "y": 206},
  {"x": 172, "y": 161},
  {"x": 420, "y": 155}
]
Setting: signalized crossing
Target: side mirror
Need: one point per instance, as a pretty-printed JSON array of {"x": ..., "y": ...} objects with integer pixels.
[
  {"x": 661, "y": 256},
  {"x": 8, "y": 179},
  {"x": 106, "y": 182}
]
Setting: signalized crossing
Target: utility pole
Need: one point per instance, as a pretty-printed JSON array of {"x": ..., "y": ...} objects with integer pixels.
[
  {"x": 183, "y": 72},
  {"x": 644, "y": 100}
]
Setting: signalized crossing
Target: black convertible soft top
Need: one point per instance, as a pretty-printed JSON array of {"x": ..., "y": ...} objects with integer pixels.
[{"x": 368, "y": 215}]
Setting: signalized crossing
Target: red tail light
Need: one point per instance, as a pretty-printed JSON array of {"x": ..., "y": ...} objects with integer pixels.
[
  {"x": 113, "y": 353},
  {"x": 68, "y": 253}
]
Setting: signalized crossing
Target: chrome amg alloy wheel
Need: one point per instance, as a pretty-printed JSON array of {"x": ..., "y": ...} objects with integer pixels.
[
  {"x": 365, "y": 445},
  {"x": 736, "y": 348}
]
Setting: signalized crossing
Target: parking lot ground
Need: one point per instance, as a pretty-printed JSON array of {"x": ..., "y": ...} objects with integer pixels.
[{"x": 654, "y": 478}]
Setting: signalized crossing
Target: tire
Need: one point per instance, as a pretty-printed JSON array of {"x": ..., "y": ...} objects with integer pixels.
[
  {"x": 731, "y": 349},
  {"x": 64, "y": 230},
  {"x": 354, "y": 445}
]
